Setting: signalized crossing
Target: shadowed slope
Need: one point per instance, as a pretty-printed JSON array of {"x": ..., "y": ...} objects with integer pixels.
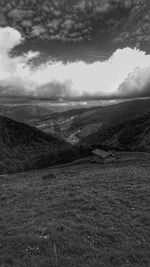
[
  {"x": 133, "y": 135},
  {"x": 20, "y": 143}
]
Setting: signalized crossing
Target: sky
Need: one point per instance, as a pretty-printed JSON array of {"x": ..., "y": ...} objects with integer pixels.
[
  {"x": 126, "y": 74},
  {"x": 51, "y": 22}
]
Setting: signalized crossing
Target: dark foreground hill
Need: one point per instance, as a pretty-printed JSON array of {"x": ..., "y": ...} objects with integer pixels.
[
  {"x": 131, "y": 135},
  {"x": 24, "y": 147}
]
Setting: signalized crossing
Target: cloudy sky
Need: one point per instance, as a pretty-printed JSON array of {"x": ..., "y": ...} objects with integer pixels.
[
  {"x": 126, "y": 74},
  {"x": 58, "y": 19}
]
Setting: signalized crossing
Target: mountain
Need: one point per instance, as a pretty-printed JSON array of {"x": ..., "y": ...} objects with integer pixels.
[
  {"x": 124, "y": 126},
  {"x": 130, "y": 135},
  {"x": 33, "y": 112},
  {"x": 110, "y": 115},
  {"x": 75, "y": 125},
  {"x": 60, "y": 122},
  {"x": 102, "y": 22},
  {"x": 24, "y": 147},
  {"x": 24, "y": 112}
]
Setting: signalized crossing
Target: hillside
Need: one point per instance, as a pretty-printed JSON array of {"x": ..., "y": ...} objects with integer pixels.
[
  {"x": 61, "y": 122},
  {"x": 97, "y": 21},
  {"x": 24, "y": 147},
  {"x": 24, "y": 112},
  {"x": 83, "y": 216},
  {"x": 112, "y": 114},
  {"x": 93, "y": 120},
  {"x": 34, "y": 112},
  {"x": 79, "y": 123},
  {"x": 130, "y": 135}
]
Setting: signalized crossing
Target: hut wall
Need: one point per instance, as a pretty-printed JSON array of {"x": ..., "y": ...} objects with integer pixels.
[
  {"x": 97, "y": 159},
  {"x": 110, "y": 159}
]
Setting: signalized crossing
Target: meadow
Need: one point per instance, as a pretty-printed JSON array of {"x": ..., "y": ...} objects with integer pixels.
[{"x": 85, "y": 215}]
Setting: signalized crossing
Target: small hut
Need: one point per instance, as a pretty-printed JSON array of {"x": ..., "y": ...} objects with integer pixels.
[{"x": 103, "y": 157}]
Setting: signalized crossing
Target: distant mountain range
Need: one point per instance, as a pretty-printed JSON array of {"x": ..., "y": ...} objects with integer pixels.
[
  {"x": 107, "y": 22},
  {"x": 32, "y": 112}
]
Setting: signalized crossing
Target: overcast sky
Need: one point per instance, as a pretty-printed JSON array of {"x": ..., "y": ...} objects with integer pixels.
[{"x": 125, "y": 74}]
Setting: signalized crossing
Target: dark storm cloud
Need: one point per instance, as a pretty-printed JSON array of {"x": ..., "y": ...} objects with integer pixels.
[{"x": 58, "y": 20}]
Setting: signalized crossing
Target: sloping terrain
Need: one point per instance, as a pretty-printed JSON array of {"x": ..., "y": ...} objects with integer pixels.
[
  {"x": 24, "y": 113},
  {"x": 24, "y": 147},
  {"x": 131, "y": 135},
  {"x": 82, "y": 216},
  {"x": 78, "y": 124},
  {"x": 62, "y": 122},
  {"x": 98, "y": 21},
  {"x": 113, "y": 114}
]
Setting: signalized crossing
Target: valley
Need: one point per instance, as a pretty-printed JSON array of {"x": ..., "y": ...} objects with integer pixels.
[
  {"x": 61, "y": 137},
  {"x": 75, "y": 125},
  {"x": 58, "y": 208}
]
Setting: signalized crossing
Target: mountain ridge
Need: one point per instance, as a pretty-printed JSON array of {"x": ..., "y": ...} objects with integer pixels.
[
  {"x": 122, "y": 127},
  {"x": 85, "y": 121},
  {"x": 129, "y": 135},
  {"x": 24, "y": 113},
  {"x": 24, "y": 146}
]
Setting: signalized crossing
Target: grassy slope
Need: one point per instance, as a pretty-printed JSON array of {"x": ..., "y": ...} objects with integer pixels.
[
  {"x": 86, "y": 216},
  {"x": 63, "y": 120},
  {"x": 91, "y": 119},
  {"x": 24, "y": 147},
  {"x": 131, "y": 135},
  {"x": 67, "y": 114},
  {"x": 24, "y": 113},
  {"x": 113, "y": 114},
  {"x": 20, "y": 142}
]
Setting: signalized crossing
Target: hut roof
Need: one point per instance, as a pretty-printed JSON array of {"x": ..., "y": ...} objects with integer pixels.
[{"x": 102, "y": 154}]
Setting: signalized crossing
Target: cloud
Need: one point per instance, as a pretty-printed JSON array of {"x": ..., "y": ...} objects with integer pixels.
[
  {"x": 9, "y": 38},
  {"x": 125, "y": 74},
  {"x": 57, "y": 20},
  {"x": 137, "y": 84}
]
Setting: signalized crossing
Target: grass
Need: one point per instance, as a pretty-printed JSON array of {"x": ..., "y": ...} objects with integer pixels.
[{"x": 85, "y": 215}]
